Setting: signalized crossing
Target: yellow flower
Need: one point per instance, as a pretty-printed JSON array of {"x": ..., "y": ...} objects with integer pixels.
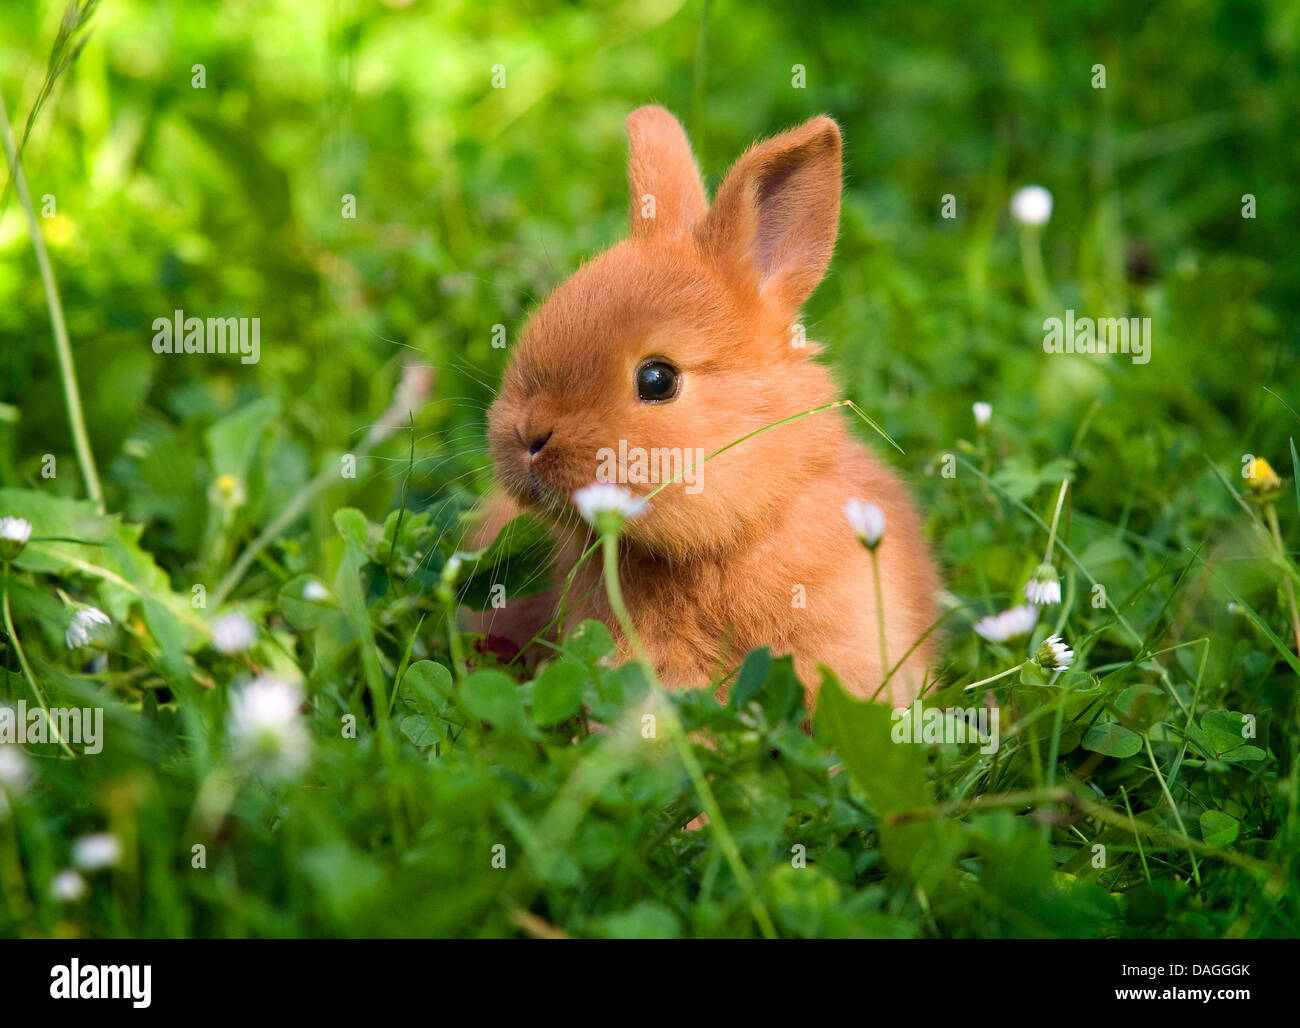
[
  {"x": 1261, "y": 479},
  {"x": 59, "y": 230},
  {"x": 228, "y": 491}
]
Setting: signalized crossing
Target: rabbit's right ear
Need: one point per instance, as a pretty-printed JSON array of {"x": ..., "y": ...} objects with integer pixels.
[{"x": 667, "y": 193}]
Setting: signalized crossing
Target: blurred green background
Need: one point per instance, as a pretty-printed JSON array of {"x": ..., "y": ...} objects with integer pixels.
[{"x": 472, "y": 202}]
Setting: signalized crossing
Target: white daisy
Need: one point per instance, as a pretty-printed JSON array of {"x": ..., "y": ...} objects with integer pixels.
[
  {"x": 67, "y": 886},
  {"x": 92, "y": 852},
  {"x": 1009, "y": 624},
  {"x": 603, "y": 498},
  {"x": 266, "y": 728},
  {"x": 233, "y": 633},
  {"x": 1044, "y": 586},
  {"x": 315, "y": 592},
  {"x": 14, "y": 533},
  {"x": 1032, "y": 205},
  {"x": 89, "y": 625},
  {"x": 983, "y": 412},
  {"x": 15, "y": 773},
  {"x": 1054, "y": 655},
  {"x": 867, "y": 521}
]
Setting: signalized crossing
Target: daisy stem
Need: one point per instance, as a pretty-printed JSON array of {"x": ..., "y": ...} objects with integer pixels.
[
  {"x": 994, "y": 678},
  {"x": 1031, "y": 257},
  {"x": 609, "y": 544},
  {"x": 1270, "y": 515},
  {"x": 456, "y": 646},
  {"x": 27, "y": 668},
  {"x": 1056, "y": 517},
  {"x": 62, "y": 348},
  {"x": 1178, "y": 820},
  {"x": 880, "y": 610}
]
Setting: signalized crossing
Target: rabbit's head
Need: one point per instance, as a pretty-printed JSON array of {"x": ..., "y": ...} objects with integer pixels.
[{"x": 681, "y": 340}]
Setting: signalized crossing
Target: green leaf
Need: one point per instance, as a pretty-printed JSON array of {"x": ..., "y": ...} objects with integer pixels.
[
  {"x": 1243, "y": 754},
  {"x": 519, "y": 558},
  {"x": 71, "y": 538},
  {"x": 1112, "y": 739},
  {"x": 647, "y": 920},
  {"x": 892, "y": 774},
  {"x": 422, "y": 730},
  {"x": 426, "y": 686},
  {"x": 1218, "y": 828},
  {"x": 1142, "y": 705},
  {"x": 494, "y": 697},
  {"x": 589, "y": 642},
  {"x": 234, "y": 440},
  {"x": 751, "y": 677},
  {"x": 353, "y": 526},
  {"x": 1225, "y": 729},
  {"x": 1198, "y": 737},
  {"x": 557, "y": 693},
  {"x": 302, "y": 613},
  {"x": 1033, "y": 675}
]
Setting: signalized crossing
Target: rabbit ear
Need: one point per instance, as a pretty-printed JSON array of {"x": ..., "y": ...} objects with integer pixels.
[
  {"x": 777, "y": 212},
  {"x": 667, "y": 194}
]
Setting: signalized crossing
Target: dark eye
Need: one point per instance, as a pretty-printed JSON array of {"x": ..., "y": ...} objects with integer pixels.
[{"x": 656, "y": 382}]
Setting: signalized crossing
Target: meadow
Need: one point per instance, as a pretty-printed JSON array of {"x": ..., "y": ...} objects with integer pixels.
[{"x": 254, "y": 574}]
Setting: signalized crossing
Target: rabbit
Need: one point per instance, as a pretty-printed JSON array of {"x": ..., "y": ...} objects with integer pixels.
[{"x": 681, "y": 337}]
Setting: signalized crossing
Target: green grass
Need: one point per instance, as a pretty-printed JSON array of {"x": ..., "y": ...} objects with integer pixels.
[{"x": 1150, "y": 790}]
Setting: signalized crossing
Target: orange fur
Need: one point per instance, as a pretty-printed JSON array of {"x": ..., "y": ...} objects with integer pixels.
[{"x": 714, "y": 291}]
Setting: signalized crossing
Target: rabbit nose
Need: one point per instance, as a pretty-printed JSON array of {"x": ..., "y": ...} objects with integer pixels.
[{"x": 535, "y": 447}]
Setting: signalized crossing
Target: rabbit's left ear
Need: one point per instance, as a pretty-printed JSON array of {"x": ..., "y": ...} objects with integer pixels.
[
  {"x": 777, "y": 212},
  {"x": 667, "y": 194}
]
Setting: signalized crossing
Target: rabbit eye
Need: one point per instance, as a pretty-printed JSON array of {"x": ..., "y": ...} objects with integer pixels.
[{"x": 656, "y": 381}]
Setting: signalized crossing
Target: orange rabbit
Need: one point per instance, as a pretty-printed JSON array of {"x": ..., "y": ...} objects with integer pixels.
[{"x": 679, "y": 340}]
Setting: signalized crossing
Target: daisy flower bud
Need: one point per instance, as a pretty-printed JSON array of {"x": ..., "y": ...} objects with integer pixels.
[
  {"x": 233, "y": 633},
  {"x": 315, "y": 592},
  {"x": 867, "y": 521},
  {"x": 983, "y": 412},
  {"x": 1010, "y": 624},
  {"x": 14, "y": 533},
  {"x": 1044, "y": 586},
  {"x": 92, "y": 852},
  {"x": 67, "y": 886},
  {"x": 90, "y": 626},
  {"x": 228, "y": 491},
  {"x": 14, "y": 775},
  {"x": 607, "y": 506},
  {"x": 1054, "y": 655},
  {"x": 14, "y": 770},
  {"x": 266, "y": 729},
  {"x": 1032, "y": 205}
]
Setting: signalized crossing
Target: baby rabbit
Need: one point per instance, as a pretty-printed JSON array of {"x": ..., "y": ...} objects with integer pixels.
[{"x": 680, "y": 339}]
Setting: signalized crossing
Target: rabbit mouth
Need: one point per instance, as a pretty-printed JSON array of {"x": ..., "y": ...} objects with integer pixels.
[{"x": 535, "y": 491}]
